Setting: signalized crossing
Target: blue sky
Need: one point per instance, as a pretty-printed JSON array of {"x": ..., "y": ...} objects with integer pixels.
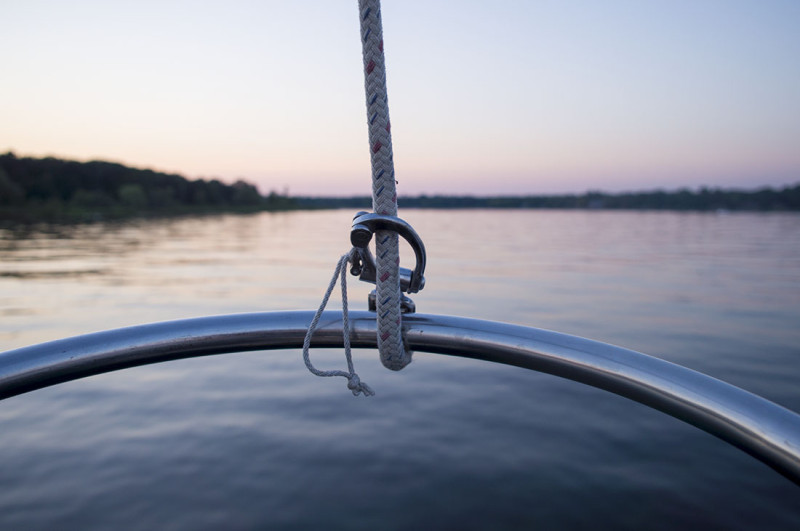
[{"x": 485, "y": 97}]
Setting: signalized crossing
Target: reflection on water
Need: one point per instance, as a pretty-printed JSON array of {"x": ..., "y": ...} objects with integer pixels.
[{"x": 252, "y": 440}]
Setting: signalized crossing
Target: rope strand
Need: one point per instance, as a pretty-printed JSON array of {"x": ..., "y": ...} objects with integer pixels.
[
  {"x": 384, "y": 195},
  {"x": 354, "y": 383}
]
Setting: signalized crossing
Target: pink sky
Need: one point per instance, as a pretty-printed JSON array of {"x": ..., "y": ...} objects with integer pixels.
[{"x": 486, "y": 97}]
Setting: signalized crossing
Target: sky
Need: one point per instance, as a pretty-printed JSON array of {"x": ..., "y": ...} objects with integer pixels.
[{"x": 485, "y": 97}]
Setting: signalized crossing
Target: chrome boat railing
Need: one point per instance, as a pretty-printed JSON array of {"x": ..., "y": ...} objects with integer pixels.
[{"x": 761, "y": 428}]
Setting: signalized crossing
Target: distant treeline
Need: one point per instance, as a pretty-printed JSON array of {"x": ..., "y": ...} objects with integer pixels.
[
  {"x": 51, "y": 189},
  {"x": 705, "y": 199}
]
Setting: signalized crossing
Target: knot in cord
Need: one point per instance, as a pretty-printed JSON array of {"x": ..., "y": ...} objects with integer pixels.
[
  {"x": 356, "y": 386},
  {"x": 354, "y": 383}
]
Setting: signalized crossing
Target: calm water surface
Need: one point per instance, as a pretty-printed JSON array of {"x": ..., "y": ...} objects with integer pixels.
[{"x": 253, "y": 440}]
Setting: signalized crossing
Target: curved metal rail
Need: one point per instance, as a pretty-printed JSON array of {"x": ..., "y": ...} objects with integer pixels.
[{"x": 761, "y": 428}]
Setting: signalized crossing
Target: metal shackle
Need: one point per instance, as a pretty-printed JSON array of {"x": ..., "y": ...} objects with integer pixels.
[{"x": 365, "y": 224}]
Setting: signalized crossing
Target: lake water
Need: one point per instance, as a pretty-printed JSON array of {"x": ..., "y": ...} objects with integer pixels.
[{"x": 252, "y": 440}]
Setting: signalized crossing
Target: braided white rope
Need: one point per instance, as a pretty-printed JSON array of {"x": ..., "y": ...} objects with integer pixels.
[
  {"x": 354, "y": 383},
  {"x": 384, "y": 196}
]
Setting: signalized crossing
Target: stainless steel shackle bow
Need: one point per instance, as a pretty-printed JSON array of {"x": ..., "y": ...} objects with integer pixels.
[{"x": 364, "y": 226}]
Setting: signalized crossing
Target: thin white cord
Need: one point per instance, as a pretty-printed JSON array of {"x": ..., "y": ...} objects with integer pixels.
[{"x": 354, "y": 383}]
